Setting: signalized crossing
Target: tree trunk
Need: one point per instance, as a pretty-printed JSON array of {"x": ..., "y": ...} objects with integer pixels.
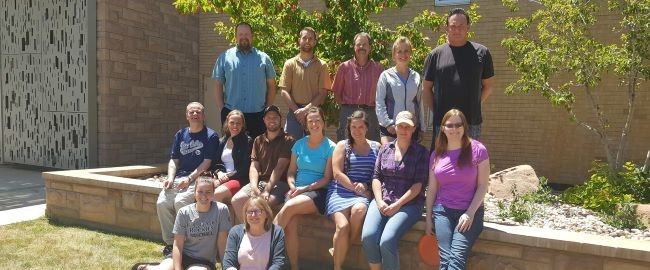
[
  {"x": 646, "y": 165},
  {"x": 631, "y": 96},
  {"x": 602, "y": 130}
]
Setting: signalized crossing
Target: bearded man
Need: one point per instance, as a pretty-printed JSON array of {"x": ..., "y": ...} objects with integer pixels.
[
  {"x": 304, "y": 82},
  {"x": 245, "y": 80}
]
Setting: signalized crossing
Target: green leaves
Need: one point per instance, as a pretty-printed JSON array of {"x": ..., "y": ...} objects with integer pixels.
[
  {"x": 611, "y": 194},
  {"x": 277, "y": 23},
  {"x": 555, "y": 54}
]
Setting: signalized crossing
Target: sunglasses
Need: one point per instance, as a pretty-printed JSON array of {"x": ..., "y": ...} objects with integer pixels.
[{"x": 453, "y": 125}]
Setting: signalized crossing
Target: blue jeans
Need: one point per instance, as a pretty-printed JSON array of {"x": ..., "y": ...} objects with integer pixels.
[
  {"x": 381, "y": 234},
  {"x": 454, "y": 246},
  {"x": 293, "y": 127}
]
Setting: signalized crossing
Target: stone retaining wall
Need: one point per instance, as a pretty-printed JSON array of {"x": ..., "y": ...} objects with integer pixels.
[
  {"x": 499, "y": 247},
  {"x": 106, "y": 199},
  {"x": 109, "y": 200}
]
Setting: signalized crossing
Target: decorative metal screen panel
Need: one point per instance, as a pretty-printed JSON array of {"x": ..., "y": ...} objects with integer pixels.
[{"x": 44, "y": 84}]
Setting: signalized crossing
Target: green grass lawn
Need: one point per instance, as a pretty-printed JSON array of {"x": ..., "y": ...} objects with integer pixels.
[{"x": 42, "y": 244}]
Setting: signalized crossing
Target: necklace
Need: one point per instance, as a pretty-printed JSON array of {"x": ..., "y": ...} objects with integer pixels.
[
  {"x": 360, "y": 67},
  {"x": 256, "y": 243},
  {"x": 229, "y": 143}
]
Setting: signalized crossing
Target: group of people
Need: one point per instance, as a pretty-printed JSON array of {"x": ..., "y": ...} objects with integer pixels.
[{"x": 371, "y": 182}]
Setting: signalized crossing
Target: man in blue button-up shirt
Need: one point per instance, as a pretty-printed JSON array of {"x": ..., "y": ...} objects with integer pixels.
[{"x": 245, "y": 81}]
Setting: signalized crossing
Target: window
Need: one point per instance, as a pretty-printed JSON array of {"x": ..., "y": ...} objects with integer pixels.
[{"x": 440, "y": 3}]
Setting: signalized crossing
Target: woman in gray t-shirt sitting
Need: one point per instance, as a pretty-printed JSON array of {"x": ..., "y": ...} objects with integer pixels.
[{"x": 200, "y": 232}]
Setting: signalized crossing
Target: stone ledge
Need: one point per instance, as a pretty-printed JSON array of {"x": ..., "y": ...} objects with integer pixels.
[
  {"x": 568, "y": 241},
  {"x": 498, "y": 247},
  {"x": 114, "y": 177},
  {"x": 107, "y": 199}
]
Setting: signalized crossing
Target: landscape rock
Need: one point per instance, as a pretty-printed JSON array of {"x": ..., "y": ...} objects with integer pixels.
[
  {"x": 564, "y": 217},
  {"x": 643, "y": 212},
  {"x": 523, "y": 176}
]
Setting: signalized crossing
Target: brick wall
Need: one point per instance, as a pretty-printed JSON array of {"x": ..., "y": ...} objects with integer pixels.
[
  {"x": 147, "y": 72},
  {"x": 519, "y": 129}
]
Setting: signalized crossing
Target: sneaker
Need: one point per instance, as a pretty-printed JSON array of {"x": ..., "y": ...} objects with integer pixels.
[{"x": 167, "y": 250}]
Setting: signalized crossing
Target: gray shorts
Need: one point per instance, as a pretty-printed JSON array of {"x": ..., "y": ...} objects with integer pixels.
[{"x": 279, "y": 191}]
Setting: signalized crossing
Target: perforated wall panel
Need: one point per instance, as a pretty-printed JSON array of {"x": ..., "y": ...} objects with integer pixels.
[{"x": 44, "y": 67}]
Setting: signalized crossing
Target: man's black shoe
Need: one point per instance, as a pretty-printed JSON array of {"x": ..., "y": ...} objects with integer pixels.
[{"x": 167, "y": 250}]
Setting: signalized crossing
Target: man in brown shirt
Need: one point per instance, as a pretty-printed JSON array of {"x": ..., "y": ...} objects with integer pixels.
[
  {"x": 304, "y": 83},
  {"x": 269, "y": 162}
]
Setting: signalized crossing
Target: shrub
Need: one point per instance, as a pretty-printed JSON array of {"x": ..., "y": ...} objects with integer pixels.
[
  {"x": 604, "y": 192},
  {"x": 544, "y": 194},
  {"x": 520, "y": 209},
  {"x": 624, "y": 217}
]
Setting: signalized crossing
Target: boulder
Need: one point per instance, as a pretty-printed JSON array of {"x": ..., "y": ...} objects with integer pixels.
[
  {"x": 643, "y": 212},
  {"x": 523, "y": 176}
]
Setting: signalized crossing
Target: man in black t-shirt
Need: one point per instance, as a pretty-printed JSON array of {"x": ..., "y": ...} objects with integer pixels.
[{"x": 458, "y": 74}]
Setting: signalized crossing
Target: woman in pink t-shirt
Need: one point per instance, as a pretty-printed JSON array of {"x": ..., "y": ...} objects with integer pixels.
[
  {"x": 458, "y": 180},
  {"x": 257, "y": 244}
]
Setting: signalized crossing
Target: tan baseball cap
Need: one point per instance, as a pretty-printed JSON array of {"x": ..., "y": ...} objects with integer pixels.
[{"x": 405, "y": 117}]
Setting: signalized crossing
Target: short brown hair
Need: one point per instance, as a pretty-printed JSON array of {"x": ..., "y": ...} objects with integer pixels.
[
  {"x": 362, "y": 34},
  {"x": 311, "y": 30}
]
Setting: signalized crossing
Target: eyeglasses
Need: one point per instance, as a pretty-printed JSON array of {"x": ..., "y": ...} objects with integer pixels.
[
  {"x": 255, "y": 212},
  {"x": 453, "y": 125}
]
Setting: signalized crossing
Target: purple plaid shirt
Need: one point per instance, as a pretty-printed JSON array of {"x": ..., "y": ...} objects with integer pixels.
[{"x": 397, "y": 177}]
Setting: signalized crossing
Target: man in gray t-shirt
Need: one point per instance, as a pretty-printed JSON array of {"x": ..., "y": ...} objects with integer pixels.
[{"x": 201, "y": 230}]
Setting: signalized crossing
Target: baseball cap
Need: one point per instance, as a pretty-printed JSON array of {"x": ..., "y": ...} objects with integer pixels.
[
  {"x": 405, "y": 117},
  {"x": 272, "y": 108}
]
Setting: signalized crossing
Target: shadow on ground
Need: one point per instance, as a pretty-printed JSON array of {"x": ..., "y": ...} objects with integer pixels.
[{"x": 21, "y": 186}]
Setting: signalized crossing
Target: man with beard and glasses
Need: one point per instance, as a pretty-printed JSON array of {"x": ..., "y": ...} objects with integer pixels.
[
  {"x": 304, "y": 82},
  {"x": 355, "y": 86},
  {"x": 269, "y": 162},
  {"x": 245, "y": 80}
]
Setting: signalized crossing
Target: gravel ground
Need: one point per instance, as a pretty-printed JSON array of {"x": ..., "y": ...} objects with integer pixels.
[
  {"x": 567, "y": 218},
  {"x": 556, "y": 216}
]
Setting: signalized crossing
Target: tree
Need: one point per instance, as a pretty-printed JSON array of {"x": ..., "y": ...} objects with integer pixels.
[
  {"x": 277, "y": 23},
  {"x": 555, "y": 54}
]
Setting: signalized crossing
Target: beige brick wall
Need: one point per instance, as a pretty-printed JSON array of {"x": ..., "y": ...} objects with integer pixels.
[
  {"x": 519, "y": 129},
  {"x": 147, "y": 71}
]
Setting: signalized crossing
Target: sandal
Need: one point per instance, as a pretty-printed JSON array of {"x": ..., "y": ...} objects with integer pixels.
[{"x": 142, "y": 266}]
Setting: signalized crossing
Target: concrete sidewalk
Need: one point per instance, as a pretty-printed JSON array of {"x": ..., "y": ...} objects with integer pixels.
[{"x": 22, "y": 193}]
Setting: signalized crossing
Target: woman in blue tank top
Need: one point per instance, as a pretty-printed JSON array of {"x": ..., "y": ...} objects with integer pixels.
[{"x": 353, "y": 163}]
